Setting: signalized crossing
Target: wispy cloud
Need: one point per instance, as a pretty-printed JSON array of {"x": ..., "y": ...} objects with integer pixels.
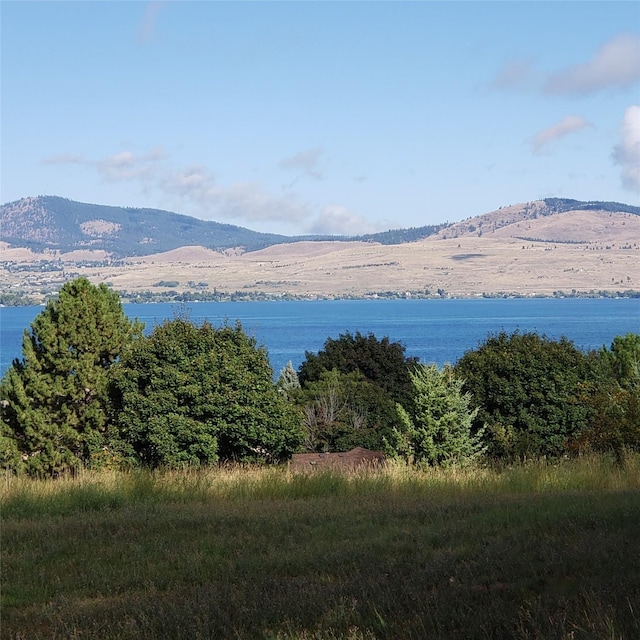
[
  {"x": 121, "y": 166},
  {"x": 566, "y": 126},
  {"x": 252, "y": 202},
  {"x": 627, "y": 153},
  {"x": 65, "y": 158},
  {"x": 147, "y": 26},
  {"x": 194, "y": 188},
  {"x": 305, "y": 162},
  {"x": 242, "y": 200},
  {"x": 514, "y": 74},
  {"x": 338, "y": 220},
  {"x": 616, "y": 64},
  {"x": 129, "y": 166}
]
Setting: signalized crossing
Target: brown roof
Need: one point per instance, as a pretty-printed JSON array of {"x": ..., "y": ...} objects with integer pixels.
[{"x": 346, "y": 460}]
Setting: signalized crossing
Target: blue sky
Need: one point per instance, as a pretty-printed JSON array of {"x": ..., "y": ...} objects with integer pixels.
[{"x": 321, "y": 117}]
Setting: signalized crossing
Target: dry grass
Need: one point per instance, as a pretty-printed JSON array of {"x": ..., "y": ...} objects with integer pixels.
[
  {"x": 603, "y": 255},
  {"x": 532, "y": 552}
]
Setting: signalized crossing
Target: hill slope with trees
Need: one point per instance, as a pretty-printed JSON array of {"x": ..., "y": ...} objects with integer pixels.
[
  {"x": 541, "y": 248},
  {"x": 59, "y": 224}
]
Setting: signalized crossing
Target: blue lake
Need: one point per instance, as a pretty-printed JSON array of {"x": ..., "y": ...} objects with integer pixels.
[{"x": 433, "y": 330}]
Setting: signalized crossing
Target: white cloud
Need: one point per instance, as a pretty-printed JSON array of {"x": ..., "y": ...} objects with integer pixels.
[
  {"x": 248, "y": 201},
  {"x": 615, "y": 65},
  {"x": 627, "y": 153},
  {"x": 306, "y": 162},
  {"x": 121, "y": 166},
  {"x": 65, "y": 158},
  {"x": 338, "y": 220},
  {"x": 126, "y": 166},
  {"x": 566, "y": 126},
  {"x": 195, "y": 182},
  {"x": 194, "y": 188},
  {"x": 252, "y": 202}
]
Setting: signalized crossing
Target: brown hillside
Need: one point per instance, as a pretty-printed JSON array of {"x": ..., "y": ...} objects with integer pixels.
[
  {"x": 576, "y": 226},
  {"x": 519, "y": 251},
  {"x": 186, "y": 255}
]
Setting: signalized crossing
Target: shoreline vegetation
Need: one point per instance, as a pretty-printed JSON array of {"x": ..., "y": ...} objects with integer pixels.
[
  {"x": 539, "y": 549},
  {"x": 151, "y": 297}
]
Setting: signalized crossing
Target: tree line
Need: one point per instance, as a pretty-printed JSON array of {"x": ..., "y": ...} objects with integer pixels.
[{"x": 93, "y": 391}]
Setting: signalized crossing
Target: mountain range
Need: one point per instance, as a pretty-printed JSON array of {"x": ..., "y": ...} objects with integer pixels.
[
  {"x": 540, "y": 247},
  {"x": 54, "y": 223}
]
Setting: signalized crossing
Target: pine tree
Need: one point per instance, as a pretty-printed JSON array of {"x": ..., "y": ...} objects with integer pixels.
[
  {"x": 55, "y": 399},
  {"x": 438, "y": 429},
  {"x": 288, "y": 381}
]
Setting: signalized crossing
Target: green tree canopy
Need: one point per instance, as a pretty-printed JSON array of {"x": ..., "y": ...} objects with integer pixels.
[
  {"x": 528, "y": 390},
  {"x": 345, "y": 410},
  {"x": 190, "y": 395},
  {"x": 438, "y": 430},
  {"x": 614, "y": 399},
  {"x": 381, "y": 362},
  {"x": 55, "y": 399}
]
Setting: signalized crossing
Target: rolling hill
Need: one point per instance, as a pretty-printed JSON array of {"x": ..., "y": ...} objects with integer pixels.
[
  {"x": 545, "y": 247},
  {"x": 51, "y": 223}
]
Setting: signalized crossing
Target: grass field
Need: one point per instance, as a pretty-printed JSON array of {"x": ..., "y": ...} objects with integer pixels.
[{"x": 539, "y": 551}]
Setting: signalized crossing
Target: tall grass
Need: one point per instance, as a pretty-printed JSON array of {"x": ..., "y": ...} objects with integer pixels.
[
  {"x": 88, "y": 491},
  {"x": 536, "y": 551}
]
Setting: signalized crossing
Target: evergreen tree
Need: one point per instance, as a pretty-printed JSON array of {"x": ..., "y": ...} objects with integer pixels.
[
  {"x": 55, "y": 400},
  {"x": 437, "y": 431},
  {"x": 288, "y": 381}
]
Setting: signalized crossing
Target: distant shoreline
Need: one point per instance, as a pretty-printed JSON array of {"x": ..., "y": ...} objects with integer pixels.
[{"x": 150, "y": 297}]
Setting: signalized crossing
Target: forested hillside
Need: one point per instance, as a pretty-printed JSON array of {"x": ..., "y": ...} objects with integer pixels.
[
  {"x": 54, "y": 223},
  {"x": 58, "y": 224},
  {"x": 50, "y": 222}
]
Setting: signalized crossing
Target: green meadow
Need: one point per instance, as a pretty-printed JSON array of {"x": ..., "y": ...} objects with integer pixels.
[{"x": 538, "y": 550}]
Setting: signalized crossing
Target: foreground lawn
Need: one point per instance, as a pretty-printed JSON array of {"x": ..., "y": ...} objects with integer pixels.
[{"x": 532, "y": 552}]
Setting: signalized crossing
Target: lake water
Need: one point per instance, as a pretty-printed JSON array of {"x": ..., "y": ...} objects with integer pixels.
[{"x": 437, "y": 331}]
